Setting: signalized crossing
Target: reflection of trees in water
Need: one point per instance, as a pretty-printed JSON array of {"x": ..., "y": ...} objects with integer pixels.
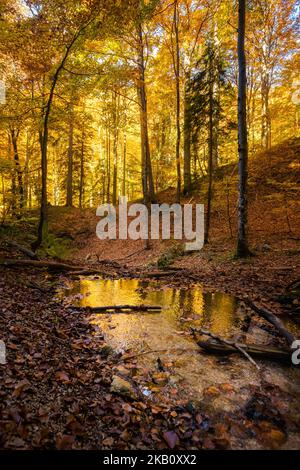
[
  {"x": 219, "y": 311},
  {"x": 216, "y": 310}
]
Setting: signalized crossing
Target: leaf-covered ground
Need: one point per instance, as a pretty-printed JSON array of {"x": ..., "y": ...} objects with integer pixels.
[{"x": 55, "y": 390}]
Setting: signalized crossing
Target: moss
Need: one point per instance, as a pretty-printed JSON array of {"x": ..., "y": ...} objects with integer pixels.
[
  {"x": 55, "y": 247},
  {"x": 169, "y": 256}
]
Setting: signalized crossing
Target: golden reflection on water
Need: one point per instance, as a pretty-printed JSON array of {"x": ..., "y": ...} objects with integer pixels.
[
  {"x": 166, "y": 333},
  {"x": 181, "y": 308}
]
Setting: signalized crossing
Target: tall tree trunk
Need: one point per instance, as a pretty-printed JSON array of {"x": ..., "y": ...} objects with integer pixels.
[
  {"x": 81, "y": 181},
  {"x": 147, "y": 177},
  {"x": 69, "y": 201},
  {"x": 115, "y": 148},
  {"x": 14, "y": 140},
  {"x": 26, "y": 169},
  {"x": 13, "y": 178},
  {"x": 124, "y": 164},
  {"x": 43, "y": 222},
  {"x": 242, "y": 242},
  {"x": 177, "y": 79},
  {"x": 210, "y": 158},
  {"x": 187, "y": 129},
  {"x": 265, "y": 112},
  {"x": 215, "y": 77},
  {"x": 108, "y": 165}
]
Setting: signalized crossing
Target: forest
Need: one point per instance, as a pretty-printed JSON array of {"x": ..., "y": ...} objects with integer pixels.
[{"x": 136, "y": 342}]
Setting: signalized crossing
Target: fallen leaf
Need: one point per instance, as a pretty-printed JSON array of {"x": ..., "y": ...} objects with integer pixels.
[
  {"x": 62, "y": 377},
  {"x": 171, "y": 438}
]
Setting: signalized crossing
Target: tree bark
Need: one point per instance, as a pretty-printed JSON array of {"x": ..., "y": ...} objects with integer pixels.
[
  {"x": 124, "y": 164},
  {"x": 265, "y": 112},
  {"x": 187, "y": 141},
  {"x": 42, "y": 227},
  {"x": 210, "y": 159},
  {"x": 147, "y": 177},
  {"x": 115, "y": 147},
  {"x": 177, "y": 79},
  {"x": 242, "y": 243},
  {"x": 81, "y": 181},
  {"x": 69, "y": 201},
  {"x": 108, "y": 165},
  {"x": 14, "y": 140}
]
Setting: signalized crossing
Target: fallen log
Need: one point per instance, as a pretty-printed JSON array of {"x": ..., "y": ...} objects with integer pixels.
[
  {"x": 22, "y": 248},
  {"x": 123, "y": 308},
  {"x": 90, "y": 272},
  {"x": 55, "y": 265},
  {"x": 273, "y": 319},
  {"x": 263, "y": 352}
]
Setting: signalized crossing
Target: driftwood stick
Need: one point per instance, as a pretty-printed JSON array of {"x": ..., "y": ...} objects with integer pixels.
[
  {"x": 124, "y": 308},
  {"x": 273, "y": 319},
  {"x": 228, "y": 343}
]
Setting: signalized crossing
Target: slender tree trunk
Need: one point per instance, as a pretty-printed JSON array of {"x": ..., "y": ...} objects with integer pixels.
[
  {"x": 177, "y": 79},
  {"x": 242, "y": 242},
  {"x": 13, "y": 203},
  {"x": 108, "y": 166},
  {"x": 187, "y": 141},
  {"x": 26, "y": 170},
  {"x": 265, "y": 112},
  {"x": 215, "y": 77},
  {"x": 81, "y": 181},
  {"x": 69, "y": 201},
  {"x": 43, "y": 222},
  {"x": 210, "y": 161},
  {"x": 147, "y": 177},
  {"x": 115, "y": 148},
  {"x": 124, "y": 163},
  {"x": 14, "y": 141}
]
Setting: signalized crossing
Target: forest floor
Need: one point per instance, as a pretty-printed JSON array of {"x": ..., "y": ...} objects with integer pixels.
[{"x": 56, "y": 386}]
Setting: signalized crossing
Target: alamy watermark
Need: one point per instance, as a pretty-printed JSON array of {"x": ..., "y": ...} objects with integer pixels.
[
  {"x": 2, "y": 352},
  {"x": 2, "y": 92},
  {"x": 296, "y": 354},
  {"x": 148, "y": 223}
]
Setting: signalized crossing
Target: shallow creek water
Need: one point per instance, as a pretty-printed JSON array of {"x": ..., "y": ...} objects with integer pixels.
[{"x": 190, "y": 372}]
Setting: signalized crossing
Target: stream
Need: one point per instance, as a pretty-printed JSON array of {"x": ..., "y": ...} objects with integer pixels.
[{"x": 176, "y": 367}]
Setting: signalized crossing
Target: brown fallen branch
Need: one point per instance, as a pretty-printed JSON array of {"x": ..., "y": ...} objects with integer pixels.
[
  {"x": 55, "y": 265},
  {"x": 273, "y": 319},
  {"x": 22, "y": 248},
  {"x": 134, "y": 253},
  {"x": 52, "y": 265},
  {"x": 263, "y": 352},
  {"x": 89, "y": 272},
  {"x": 232, "y": 344},
  {"x": 123, "y": 308}
]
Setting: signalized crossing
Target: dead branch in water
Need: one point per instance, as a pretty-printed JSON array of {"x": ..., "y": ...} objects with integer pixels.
[
  {"x": 271, "y": 318},
  {"x": 237, "y": 346}
]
